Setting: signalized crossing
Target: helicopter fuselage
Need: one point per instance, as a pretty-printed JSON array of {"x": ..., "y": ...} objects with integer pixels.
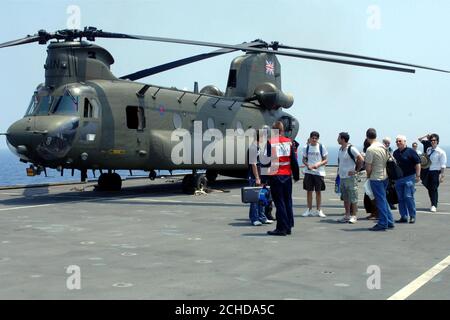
[
  {"x": 114, "y": 124},
  {"x": 83, "y": 117}
]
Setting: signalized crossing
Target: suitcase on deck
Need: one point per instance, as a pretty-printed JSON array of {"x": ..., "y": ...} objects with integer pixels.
[{"x": 253, "y": 194}]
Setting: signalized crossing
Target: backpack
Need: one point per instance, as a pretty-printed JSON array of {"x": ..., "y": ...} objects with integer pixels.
[
  {"x": 393, "y": 170},
  {"x": 363, "y": 167},
  {"x": 320, "y": 148}
]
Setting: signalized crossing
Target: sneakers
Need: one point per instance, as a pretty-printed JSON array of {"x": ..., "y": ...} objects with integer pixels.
[
  {"x": 433, "y": 209},
  {"x": 343, "y": 220},
  {"x": 352, "y": 219},
  {"x": 321, "y": 214},
  {"x": 268, "y": 221},
  {"x": 401, "y": 220},
  {"x": 311, "y": 213},
  {"x": 257, "y": 223}
]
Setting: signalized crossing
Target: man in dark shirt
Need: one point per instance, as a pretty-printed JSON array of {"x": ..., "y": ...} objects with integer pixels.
[{"x": 409, "y": 162}]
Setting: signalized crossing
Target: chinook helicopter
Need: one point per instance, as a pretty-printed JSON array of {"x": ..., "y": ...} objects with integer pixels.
[{"x": 85, "y": 118}]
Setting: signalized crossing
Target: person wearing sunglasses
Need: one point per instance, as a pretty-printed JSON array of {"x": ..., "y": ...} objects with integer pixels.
[{"x": 435, "y": 174}]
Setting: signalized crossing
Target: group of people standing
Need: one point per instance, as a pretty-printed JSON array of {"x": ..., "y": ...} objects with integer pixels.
[{"x": 374, "y": 160}]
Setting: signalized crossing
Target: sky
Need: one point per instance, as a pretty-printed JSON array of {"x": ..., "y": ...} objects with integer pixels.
[{"x": 329, "y": 98}]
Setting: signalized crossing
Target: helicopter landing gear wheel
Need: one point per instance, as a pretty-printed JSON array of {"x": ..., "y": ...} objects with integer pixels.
[
  {"x": 194, "y": 182},
  {"x": 152, "y": 175},
  {"x": 201, "y": 183},
  {"x": 211, "y": 175},
  {"x": 83, "y": 173},
  {"x": 109, "y": 182}
]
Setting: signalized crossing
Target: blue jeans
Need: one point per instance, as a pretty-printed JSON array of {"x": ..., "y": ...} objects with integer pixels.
[
  {"x": 405, "y": 188},
  {"x": 256, "y": 212},
  {"x": 384, "y": 213}
]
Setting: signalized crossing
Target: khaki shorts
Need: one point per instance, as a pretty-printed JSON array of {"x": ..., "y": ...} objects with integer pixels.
[{"x": 349, "y": 189}]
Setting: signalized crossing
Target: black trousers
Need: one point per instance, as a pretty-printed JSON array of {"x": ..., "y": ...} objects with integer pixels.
[
  {"x": 432, "y": 185},
  {"x": 281, "y": 190}
]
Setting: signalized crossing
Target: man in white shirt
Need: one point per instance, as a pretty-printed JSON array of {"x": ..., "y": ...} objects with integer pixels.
[
  {"x": 349, "y": 163},
  {"x": 314, "y": 158}
]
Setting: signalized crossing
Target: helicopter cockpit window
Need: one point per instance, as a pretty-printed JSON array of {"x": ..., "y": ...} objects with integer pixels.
[
  {"x": 135, "y": 118},
  {"x": 39, "y": 105},
  {"x": 66, "y": 104},
  {"x": 91, "y": 108},
  {"x": 32, "y": 106}
]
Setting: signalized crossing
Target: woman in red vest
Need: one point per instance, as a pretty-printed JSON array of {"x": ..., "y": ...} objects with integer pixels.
[{"x": 284, "y": 165}]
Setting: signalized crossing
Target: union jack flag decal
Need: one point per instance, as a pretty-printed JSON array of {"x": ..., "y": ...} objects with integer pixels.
[{"x": 270, "y": 67}]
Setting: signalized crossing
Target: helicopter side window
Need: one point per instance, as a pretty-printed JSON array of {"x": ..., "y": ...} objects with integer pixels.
[
  {"x": 91, "y": 108},
  {"x": 66, "y": 104},
  {"x": 232, "y": 79},
  {"x": 135, "y": 118}
]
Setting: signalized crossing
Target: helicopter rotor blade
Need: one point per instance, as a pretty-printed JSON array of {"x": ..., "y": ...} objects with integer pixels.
[
  {"x": 90, "y": 33},
  {"x": 102, "y": 34},
  {"x": 348, "y": 55},
  {"x": 174, "y": 64},
  {"x": 178, "y": 63},
  {"x": 28, "y": 39}
]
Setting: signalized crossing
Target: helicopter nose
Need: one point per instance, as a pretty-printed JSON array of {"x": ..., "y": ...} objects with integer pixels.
[
  {"x": 19, "y": 138},
  {"x": 55, "y": 138}
]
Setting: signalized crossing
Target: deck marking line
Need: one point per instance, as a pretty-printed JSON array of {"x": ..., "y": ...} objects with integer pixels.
[
  {"x": 415, "y": 285},
  {"x": 27, "y": 207},
  {"x": 61, "y": 203}
]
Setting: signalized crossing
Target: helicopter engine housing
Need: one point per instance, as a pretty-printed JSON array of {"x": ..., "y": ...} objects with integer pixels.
[{"x": 270, "y": 97}]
